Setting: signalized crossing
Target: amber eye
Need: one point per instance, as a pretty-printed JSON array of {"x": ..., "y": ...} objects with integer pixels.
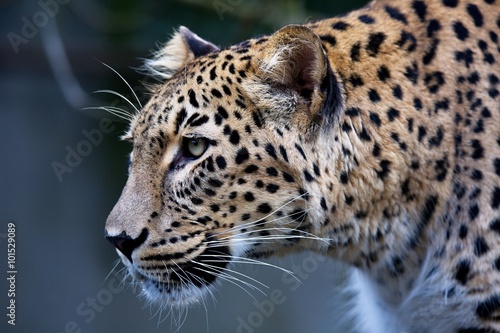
[{"x": 195, "y": 147}]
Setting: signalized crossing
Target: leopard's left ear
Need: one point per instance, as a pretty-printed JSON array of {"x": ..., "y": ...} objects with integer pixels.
[
  {"x": 293, "y": 77},
  {"x": 182, "y": 48}
]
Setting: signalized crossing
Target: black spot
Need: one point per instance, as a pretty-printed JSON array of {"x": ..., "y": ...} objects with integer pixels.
[
  {"x": 288, "y": 177},
  {"x": 476, "y": 14},
  {"x": 352, "y": 112},
  {"x": 420, "y": 9},
  {"x": 374, "y": 41},
  {"x": 271, "y": 151},
  {"x": 233, "y": 195},
  {"x": 435, "y": 141},
  {"x": 433, "y": 27},
  {"x": 349, "y": 200},
  {"x": 242, "y": 155},
  {"x": 251, "y": 168},
  {"x": 200, "y": 121},
  {"x": 412, "y": 73},
  {"x": 495, "y": 225},
  {"x": 460, "y": 30},
  {"x": 196, "y": 201},
  {"x": 383, "y": 73},
  {"x": 192, "y": 98},
  {"x": 257, "y": 119},
  {"x": 422, "y": 132},
  {"x": 488, "y": 309},
  {"x": 384, "y": 169},
  {"x": 271, "y": 171},
  {"x": 476, "y": 175},
  {"x": 376, "y": 150},
  {"x": 392, "y": 114},
  {"x": 272, "y": 188},
  {"x": 417, "y": 103},
  {"x": 466, "y": 56},
  {"x": 179, "y": 119},
  {"x": 249, "y": 196},
  {"x": 215, "y": 182},
  {"x": 495, "y": 198},
  {"x": 221, "y": 162},
  {"x": 216, "y": 93},
  {"x": 374, "y": 96},
  {"x": 395, "y": 14},
  {"x": 431, "y": 52},
  {"x": 409, "y": 38},
  {"x": 213, "y": 74},
  {"x": 308, "y": 176},
  {"x": 366, "y": 19},
  {"x": 463, "y": 231},
  {"x": 329, "y": 39},
  {"x": 441, "y": 168},
  {"x": 496, "y": 164},
  {"x": 234, "y": 137},
  {"x": 316, "y": 170},
  {"x": 340, "y": 25},
  {"x": 356, "y": 80},
  {"x": 450, "y": 3},
  {"x": 226, "y": 89},
  {"x": 473, "y": 211},
  {"x": 462, "y": 271},
  {"x": 323, "y": 204},
  {"x": 344, "y": 177},
  {"x": 264, "y": 208},
  {"x": 210, "y": 192},
  {"x": 364, "y": 135},
  {"x": 241, "y": 104},
  {"x": 434, "y": 81},
  {"x": 301, "y": 151},
  {"x": 355, "y": 52},
  {"x": 478, "y": 150},
  {"x": 283, "y": 153},
  {"x": 397, "y": 92},
  {"x": 480, "y": 246}
]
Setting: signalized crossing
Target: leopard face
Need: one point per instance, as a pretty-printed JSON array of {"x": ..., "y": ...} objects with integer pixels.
[{"x": 214, "y": 176}]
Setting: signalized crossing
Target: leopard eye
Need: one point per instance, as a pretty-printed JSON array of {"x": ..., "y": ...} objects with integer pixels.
[{"x": 195, "y": 147}]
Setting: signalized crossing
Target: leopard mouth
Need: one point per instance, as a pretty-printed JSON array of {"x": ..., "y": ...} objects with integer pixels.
[{"x": 180, "y": 283}]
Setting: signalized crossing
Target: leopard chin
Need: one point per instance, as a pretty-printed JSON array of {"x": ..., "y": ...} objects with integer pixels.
[{"x": 186, "y": 284}]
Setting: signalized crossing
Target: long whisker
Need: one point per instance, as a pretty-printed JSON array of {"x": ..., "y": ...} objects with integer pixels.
[
  {"x": 123, "y": 79},
  {"x": 107, "y": 91},
  {"x": 120, "y": 113}
]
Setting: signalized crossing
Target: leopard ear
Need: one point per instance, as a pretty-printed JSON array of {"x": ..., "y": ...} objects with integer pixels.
[
  {"x": 292, "y": 75},
  {"x": 183, "y": 47}
]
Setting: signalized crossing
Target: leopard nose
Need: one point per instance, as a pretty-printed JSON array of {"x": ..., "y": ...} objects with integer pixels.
[{"x": 126, "y": 244}]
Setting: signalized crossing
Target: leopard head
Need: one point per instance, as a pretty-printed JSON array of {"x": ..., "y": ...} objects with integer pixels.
[{"x": 221, "y": 168}]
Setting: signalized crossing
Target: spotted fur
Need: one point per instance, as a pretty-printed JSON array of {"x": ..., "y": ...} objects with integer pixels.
[{"x": 373, "y": 138}]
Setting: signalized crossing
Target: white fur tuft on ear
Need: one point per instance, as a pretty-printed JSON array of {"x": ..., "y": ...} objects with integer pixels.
[
  {"x": 169, "y": 59},
  {"x": 183, "y": 47}
]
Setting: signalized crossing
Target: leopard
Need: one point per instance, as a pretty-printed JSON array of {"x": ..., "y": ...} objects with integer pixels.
[{"x": 372, "y": 138}]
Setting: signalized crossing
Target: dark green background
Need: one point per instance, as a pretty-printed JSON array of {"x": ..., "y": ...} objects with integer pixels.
[{"x": 62, "y": 256}]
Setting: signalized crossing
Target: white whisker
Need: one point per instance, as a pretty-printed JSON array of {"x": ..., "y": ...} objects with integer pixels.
[
  {"x": 107, "y": 91},
  {"x": 123, "y": 79}
]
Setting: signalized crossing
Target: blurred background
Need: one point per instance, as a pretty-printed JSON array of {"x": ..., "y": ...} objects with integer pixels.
[{"x": 63, "y": 167}]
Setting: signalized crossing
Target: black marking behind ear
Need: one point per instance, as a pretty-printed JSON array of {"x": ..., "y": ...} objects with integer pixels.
[
  {"x": 196, "y": 45},
  {"x": 333, "y": 103}
]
